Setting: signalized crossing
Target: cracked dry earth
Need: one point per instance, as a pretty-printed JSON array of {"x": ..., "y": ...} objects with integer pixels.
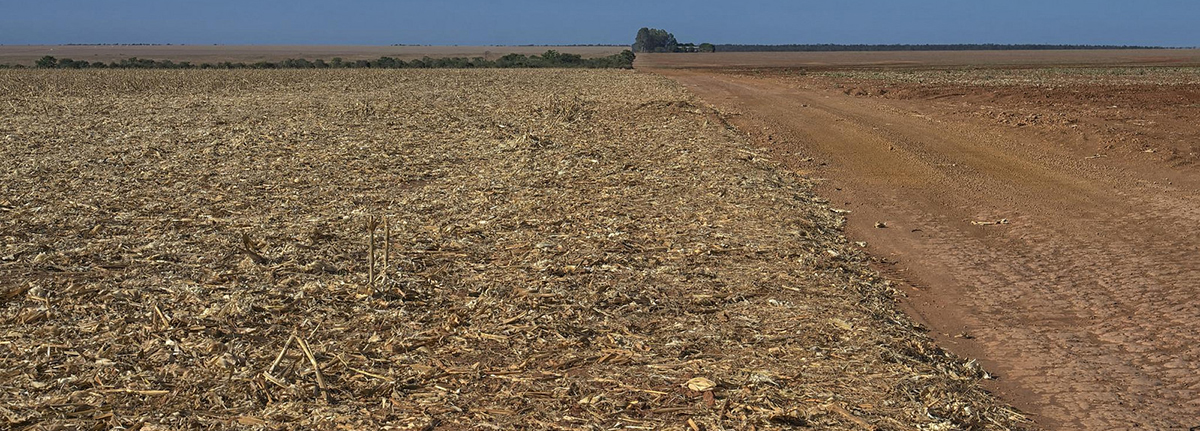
[{"x": 1084, "y": 303}]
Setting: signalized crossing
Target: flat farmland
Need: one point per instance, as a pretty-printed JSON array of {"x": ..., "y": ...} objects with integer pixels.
[
  {"x": 923, "y": 59},
  {"x": 425, "y": 249},
  {"x": 197, "y": 54},
  {"x": 1037, "y": 207}
]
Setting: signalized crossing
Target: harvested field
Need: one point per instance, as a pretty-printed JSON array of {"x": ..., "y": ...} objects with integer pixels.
[
  {"x": 1139, "y": 114},
  {"x": 564, "y": 250},
  {"x": 924, "y": 59},
  {"x": 1041, "y": 220},
  {"x": 197, "y": 54}
]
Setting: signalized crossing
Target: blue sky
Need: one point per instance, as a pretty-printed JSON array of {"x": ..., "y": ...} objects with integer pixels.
[{"x": 500, "y": 22}]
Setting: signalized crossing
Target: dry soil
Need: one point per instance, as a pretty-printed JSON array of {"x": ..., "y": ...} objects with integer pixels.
[{"x": 1044, "y": 223}]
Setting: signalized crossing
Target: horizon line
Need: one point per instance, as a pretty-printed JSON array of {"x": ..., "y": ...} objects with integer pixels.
[{"x": 400, "y": 45}]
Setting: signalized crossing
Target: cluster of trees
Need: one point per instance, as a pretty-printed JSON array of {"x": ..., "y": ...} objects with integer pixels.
[
  {"x": 656, "y": 40},
  {"x": 904, "y": 47},
  {"x": 549, "y": 59}
]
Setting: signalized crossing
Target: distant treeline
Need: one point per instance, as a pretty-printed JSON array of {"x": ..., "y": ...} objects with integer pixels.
[
  {"x": 550, "y": 59},
  {"x": 901, "y": 47},
  {"x": 117, "y": 44}
]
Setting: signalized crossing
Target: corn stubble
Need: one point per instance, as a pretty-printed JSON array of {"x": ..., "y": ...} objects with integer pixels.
[{"x": 563, "y": 250}]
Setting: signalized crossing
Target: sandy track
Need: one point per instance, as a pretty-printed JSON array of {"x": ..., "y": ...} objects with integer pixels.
[{"x": 1085, "y": 305}]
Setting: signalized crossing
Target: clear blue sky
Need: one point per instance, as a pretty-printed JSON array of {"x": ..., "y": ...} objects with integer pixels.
[{"x": 499, "y": 22}]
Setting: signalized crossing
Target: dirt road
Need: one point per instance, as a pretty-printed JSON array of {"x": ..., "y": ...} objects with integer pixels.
[{"x": 1084, "y": 301}]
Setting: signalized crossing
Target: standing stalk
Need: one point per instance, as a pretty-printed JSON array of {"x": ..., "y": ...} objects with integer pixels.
[
  {"x": 370, "y": 250},
  {"x": 387, "y": 248}
]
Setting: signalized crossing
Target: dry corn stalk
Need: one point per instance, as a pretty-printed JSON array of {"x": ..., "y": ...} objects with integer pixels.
[
  {"x": 371, "y": 224},
  {"x": 387, "y": 248}
]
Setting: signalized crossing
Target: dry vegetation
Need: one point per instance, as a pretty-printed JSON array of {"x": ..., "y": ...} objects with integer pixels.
[{"x": 568, "y": 250}]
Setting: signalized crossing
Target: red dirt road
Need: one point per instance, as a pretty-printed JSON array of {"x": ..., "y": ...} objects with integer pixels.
[{"x": 1085, "y": 303}]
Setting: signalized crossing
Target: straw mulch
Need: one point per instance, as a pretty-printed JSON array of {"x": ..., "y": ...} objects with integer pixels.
[{"x": 563, "y": 250}]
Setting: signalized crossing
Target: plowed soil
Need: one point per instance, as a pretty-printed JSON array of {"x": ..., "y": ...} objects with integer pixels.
[{"x": 1044, "y": 223}]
